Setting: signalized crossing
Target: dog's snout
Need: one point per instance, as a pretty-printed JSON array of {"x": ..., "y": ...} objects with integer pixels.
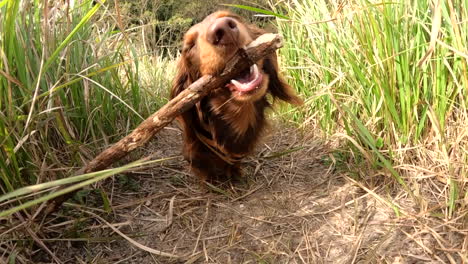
[{"x": 223, "y": 31}]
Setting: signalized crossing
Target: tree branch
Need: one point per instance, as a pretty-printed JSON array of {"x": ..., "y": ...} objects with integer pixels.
[{"x": 243, "y": 59}]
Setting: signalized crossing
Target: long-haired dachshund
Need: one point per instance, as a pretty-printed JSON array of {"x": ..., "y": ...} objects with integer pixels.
[{"x": 225, "y": 126}]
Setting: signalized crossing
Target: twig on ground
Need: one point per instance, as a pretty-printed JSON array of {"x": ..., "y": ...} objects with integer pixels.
[{"x": 133, "y": 242}]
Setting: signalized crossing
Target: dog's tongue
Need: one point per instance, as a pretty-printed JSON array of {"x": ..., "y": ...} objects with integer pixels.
[{"x": 248, "y": 82}]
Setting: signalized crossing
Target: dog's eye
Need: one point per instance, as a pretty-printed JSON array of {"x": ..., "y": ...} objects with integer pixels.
[{"x": 188, "y": 46}]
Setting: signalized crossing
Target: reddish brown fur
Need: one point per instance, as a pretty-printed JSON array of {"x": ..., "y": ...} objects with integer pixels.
[{"x": 224, "y": 126}]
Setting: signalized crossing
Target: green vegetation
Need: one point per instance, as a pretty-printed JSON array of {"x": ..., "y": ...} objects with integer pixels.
[
  {"x": 387, "y": 80},
  {"x": 69, "y": 84},
  {"x": 393, "y": 76},
  {"x": 164, "y": 22}
]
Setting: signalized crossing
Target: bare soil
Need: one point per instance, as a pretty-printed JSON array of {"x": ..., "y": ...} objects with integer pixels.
[{"x": 295, "y": 204}]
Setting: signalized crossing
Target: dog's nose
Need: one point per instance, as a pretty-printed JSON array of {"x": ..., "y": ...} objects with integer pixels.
[{"x": 223, "y": 31}]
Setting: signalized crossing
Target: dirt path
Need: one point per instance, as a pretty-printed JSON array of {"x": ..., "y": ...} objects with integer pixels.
[{"x": 290, "y": 208}]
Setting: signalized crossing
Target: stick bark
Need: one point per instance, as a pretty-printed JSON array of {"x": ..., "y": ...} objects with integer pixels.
[{"x": 243, "y": 59}]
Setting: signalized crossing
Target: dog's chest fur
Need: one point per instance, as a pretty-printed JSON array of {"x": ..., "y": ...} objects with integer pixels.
[{"x": 234, "y": 127}]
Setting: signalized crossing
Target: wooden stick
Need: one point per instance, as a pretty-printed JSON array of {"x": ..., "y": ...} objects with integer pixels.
[{"x": 243, "y": 59}]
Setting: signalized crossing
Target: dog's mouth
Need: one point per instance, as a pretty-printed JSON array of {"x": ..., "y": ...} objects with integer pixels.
[{"x": 247, "y": 82}]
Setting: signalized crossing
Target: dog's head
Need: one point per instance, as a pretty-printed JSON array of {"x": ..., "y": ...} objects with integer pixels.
[{"x": 207, "y": 47}]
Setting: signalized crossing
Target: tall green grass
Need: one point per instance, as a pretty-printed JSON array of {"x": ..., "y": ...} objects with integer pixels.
[
  {"x": 70, "y": 84},
  {"x": 392, "y": 75}
]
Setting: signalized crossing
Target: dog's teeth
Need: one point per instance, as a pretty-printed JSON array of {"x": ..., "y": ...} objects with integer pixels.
[
  {"x": 255, "y": 70},
  {"x": 236, "y": 83}
]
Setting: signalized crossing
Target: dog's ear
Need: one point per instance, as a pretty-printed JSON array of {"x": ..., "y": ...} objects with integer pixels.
[
  {"x": 277, "y": 85},
  {"x": 182, "y": 78}
]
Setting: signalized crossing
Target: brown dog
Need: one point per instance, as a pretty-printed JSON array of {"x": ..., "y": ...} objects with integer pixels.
[{"x": 226, "y": 125}]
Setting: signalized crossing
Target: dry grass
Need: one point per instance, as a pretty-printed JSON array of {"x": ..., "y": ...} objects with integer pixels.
[{"x": 296, "y": 207}]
